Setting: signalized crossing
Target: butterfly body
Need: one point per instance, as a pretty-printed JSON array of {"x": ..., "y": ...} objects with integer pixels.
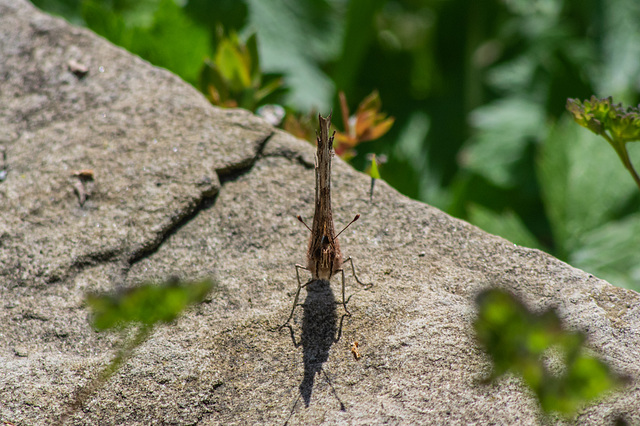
[{"x": 324, "y": 258}]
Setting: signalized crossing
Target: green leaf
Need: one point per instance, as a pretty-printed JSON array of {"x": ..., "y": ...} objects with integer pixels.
[
  {"x": 612, "y": 252},
  {"x": 373, "y": 169},
  {"x": 295, "y": 38},
  {"x": 583, "y": 184},
  {"x": 272, "y": 85},
  {"x": 232, "y": 14},
  {"x": 254, "y": 60},
  {"x": 233, "y": 64},
  {"x": 503, "y": 130},
  {"x": 210, "y": 76},
  {"x": 170, "y": 39},
  {"x": 506, "y": 224},
  {"x": 71, "y": 10},
  {"x": 614, "y": 122},
  {"x": 589, "y": 377},
  {"x": 514, "y": 75},
  {"x": 147, "y": 304},
  {"x": 105, "y": 22},
  {"x": 183, "y": 54},
  {"x": 409, "y": 172},
  {"x": 620, "y": 47},
  {"x": 516, "y": 339},
  {"x": 358, "y": 36},
  {"x": 135, "y": 13}
]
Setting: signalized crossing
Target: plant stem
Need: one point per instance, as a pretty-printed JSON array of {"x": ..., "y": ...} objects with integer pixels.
[
  {"x": 629, "y": 166},
  {"x": 123, "y": 354},
  {"x": 621, "y": 149}
]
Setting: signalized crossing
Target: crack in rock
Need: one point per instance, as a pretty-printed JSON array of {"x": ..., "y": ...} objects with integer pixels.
[{"x": 147, "y": 248}]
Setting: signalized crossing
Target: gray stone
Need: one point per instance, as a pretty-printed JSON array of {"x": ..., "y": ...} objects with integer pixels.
[{"x": 181, "y": 188}]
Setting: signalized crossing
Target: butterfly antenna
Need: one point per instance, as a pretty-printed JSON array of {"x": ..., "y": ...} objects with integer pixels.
[
  {"x": 349, "y": 224},
  {"x": 300, "y": 219}
]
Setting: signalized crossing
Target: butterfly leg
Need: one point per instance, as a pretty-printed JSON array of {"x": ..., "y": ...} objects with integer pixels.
[
  {"x": 345, "y": 300},
  {"x": 295, "y": 300},
  {"x": 353, "y": 268}
]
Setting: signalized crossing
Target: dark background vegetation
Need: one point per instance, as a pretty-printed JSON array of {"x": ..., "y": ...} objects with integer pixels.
[{"x": 478, "y": 89}]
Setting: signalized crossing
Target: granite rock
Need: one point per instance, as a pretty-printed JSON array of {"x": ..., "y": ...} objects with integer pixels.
[{"x": 176, "y": 187}]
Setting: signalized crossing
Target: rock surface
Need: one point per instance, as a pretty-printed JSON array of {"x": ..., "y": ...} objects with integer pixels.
[{"x": 181, "y": 188}]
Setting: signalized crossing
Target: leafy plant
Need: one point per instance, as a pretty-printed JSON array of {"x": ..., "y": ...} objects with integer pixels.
[
  {"x": 301, "y": 125},
  {"x": 591, "y": 204},
  {"x": 367, "y": 124},
  {"x": 234, "y": 78},
  {"x": 149, "y": 29},
  {"x": 616, "y": 124},
  {"x": 518, "y": 341},
  {"x": 144, "y": 306}
]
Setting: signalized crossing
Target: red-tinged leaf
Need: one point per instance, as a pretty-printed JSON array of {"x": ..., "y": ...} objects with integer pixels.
[
  {"x": 378, "y": 131},
  {"x": 300, "y": 126},
  {"x": 214, "y": 95},
  {"x": 345, "y": 152},
  {"x": 365, "y": 119},
  {"x": 367, "y": 124},
  {"x": 342, "y": 139},
  {"x": 344, "y": 108},
  {"x": 371, "y": 102}
]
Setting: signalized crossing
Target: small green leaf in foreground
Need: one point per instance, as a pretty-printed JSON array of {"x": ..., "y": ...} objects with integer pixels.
[
  {"x": 517, "y": 340},
  {"x": 146, "y": 304},
  {"x": 373, "y": 169},
  {"x": 143, "y": 306}
]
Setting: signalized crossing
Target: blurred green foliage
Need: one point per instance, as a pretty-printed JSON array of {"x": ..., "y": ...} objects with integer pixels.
[
  {"x": 518, "y": 341},
  {"x": 477, "y": 88},
  {"x": 141, "y": 308},
  {"x": 145, "y": 304}
]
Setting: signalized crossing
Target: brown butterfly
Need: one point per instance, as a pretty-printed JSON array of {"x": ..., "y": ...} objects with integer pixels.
[{"x": 324, "y": 258}]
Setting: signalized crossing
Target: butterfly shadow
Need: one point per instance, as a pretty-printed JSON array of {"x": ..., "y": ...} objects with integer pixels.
[{"x": 320, "y": 330}]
